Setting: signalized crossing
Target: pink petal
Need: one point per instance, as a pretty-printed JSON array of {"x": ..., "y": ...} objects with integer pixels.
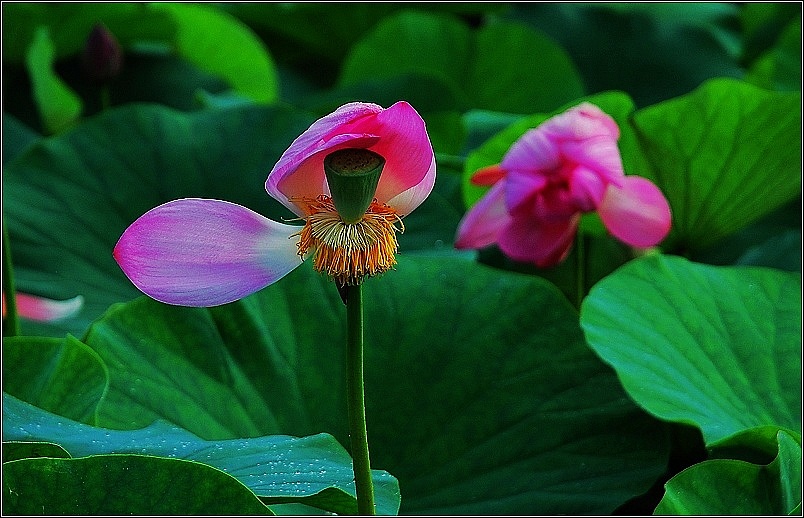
[
  {"x": 281, "y": 183},
  {"x": 581, "y": 122},
  {"x": 302, "y": 175},
  {"x": 587, "y": 136},
  {"x": 637, "y": 213},
  {"x": 45, "y": 310},
  {"x": 521, "y": 187},
  {"x": 197, "y": 252},
  {"x": 409, "y": 158},
  {"x": 534, "y": 152},
  {"x": 482, "y": 224},
  {"x": 543, "y": 243},
  {"x": 599, "y": 154},
  {"x": 488, "y": 175},
  {"x": 397, "y": 133},
  {"x": 586, "y": 188},
  {"x": 405, "y": 202}
]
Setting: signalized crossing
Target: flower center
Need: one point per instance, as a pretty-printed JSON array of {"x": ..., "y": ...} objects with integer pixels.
[{"x": 349, "y": 252}]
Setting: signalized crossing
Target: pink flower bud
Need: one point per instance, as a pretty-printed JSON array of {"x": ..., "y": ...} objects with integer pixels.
[{"x": 103, "y": 57}]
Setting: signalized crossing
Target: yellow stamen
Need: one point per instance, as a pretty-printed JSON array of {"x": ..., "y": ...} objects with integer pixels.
[{"x": 349, "y": 252}]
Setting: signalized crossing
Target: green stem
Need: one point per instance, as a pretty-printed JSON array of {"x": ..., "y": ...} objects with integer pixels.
[
  {"x": 10, "y": 320},
  {"x": 105, "y": 97},
  {"x": 580, "y": 254},
  {"x": 357, "y": 407}
]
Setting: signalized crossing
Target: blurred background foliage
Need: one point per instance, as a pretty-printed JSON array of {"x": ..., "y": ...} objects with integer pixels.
[{"x": 514, "y": 58}]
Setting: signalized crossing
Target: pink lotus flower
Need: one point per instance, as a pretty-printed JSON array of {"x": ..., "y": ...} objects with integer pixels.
[
  {"x": 45, "y": 310},
  {"x": 567, "y": 166},
  {"x": 202, "y": 252}
]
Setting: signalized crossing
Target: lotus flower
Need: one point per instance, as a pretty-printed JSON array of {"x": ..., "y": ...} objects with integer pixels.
[
  {"x": 204, "y": 252},
  {"x": 567, "y": 166}
]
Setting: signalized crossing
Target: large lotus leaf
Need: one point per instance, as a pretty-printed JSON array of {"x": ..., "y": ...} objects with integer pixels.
[
  {"x": 411, "y": 41},
  {"x": 733, "y": 487},
  {"x": 442, "y": 46},
  {"x": 314, "y": 470},
  {"x": 716, "y": 347},
  {"x": 68, "y": 199},
  {"x": 481, "y": 394},
  {"x": 724, "y": 155},
  {"x": 154, "y": 77},
  {"x": 481, "y": 125},
  {"x": 60, "y": 375},
  {"x": 123, "y": 484},
  {"x": 516, "y": 57}
]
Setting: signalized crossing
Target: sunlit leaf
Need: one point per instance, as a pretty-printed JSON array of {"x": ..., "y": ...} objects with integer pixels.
[
  {"x": 723, "y": 155},
  {"x": 716, "y": 347},
  {"x": 58, "y": 105},
  {"x": 509, "y": 67}
]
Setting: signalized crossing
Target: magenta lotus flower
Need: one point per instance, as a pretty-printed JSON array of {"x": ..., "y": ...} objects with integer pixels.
[
  {"x": 567, "y": 166},
  {"x": 203, "y": 252},
  {"x": 43, "y": 309}
]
